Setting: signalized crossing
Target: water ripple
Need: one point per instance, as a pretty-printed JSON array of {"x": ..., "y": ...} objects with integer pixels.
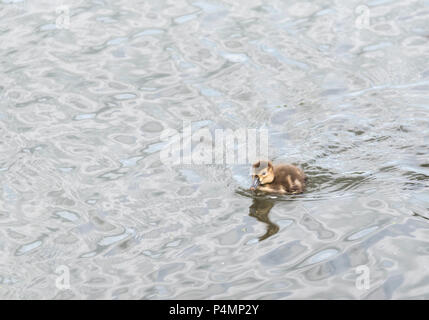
[{"x": 83, "y": 106}]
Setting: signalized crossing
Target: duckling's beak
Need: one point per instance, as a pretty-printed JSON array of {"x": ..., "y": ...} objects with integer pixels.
[{"x": 255, "y": 183}]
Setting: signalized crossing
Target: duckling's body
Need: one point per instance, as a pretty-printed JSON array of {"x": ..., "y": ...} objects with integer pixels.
[{"x": 282, "y": 178}]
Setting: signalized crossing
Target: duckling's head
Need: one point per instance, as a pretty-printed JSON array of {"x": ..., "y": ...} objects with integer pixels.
[{"x": 262, "y": 173}]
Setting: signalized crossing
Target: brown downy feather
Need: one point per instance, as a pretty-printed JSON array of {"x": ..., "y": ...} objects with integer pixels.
[{"x": 281, "y": 178}]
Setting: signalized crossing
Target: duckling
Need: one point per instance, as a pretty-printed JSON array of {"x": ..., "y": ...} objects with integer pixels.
[{"x": 282, "y": 178}]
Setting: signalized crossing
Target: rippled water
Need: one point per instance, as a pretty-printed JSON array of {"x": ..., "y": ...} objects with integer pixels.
[{"x": 87, "y": 88}]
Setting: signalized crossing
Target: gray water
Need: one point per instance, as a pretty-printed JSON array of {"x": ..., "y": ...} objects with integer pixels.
[{"x": 87, "y": 87}]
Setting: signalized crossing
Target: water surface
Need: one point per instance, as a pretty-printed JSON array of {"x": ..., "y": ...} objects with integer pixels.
[{"x": 341, "y": 87}]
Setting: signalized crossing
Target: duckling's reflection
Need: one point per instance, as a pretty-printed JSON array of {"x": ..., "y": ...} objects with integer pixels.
[{"x": 260, "y": 209}]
